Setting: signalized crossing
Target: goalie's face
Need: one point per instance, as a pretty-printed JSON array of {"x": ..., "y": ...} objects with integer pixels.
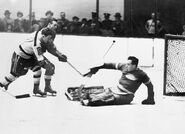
[{"x": 130, "y": 66}]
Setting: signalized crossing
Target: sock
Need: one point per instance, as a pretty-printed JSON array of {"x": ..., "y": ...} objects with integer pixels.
[{"x": 47, "y": 80}]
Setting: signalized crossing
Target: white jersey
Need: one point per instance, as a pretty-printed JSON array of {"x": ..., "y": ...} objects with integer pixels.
[{"x": 31, "y": 47}]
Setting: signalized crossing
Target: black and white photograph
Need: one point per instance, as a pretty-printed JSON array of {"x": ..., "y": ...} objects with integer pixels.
[{"x": 92, "y": 66}]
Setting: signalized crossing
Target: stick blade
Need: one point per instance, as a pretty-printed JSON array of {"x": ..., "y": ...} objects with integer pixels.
[{"x": 22, "y": 96}]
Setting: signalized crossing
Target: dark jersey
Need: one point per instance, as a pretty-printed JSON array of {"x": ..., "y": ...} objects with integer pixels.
[{"x": 132, "y": 80}]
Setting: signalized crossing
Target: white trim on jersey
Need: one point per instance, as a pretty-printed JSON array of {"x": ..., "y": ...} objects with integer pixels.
[
  {"x": 117, "y": 64},
  {"x": 36, "y": 47}
]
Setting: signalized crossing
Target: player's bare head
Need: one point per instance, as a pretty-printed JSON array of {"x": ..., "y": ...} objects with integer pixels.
[
  {"x": 48, "y": 35},
  {"x": 52, "y": 24},
  {"x": 134, "y": 60}
]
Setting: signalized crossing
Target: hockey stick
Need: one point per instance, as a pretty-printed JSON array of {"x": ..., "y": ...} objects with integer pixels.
[
  {"x": 74, "y": 68},
  {"x": 109, "y": 49},
  {"x": 82, "y": 85},
  {"x": 88, "y": 73},
  {"x": 18, "y": 96}
]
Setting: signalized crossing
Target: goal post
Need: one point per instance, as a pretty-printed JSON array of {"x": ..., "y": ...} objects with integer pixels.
[{"x": 174, "y": 65}]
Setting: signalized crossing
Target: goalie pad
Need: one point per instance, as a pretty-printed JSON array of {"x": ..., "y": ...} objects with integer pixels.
[
  {"x": 101, "y": 99},
  {"x": 98, "y": 96},
  {"x": 73, "y": 94}
]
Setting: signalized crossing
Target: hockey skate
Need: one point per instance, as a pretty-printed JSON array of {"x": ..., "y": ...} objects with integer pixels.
[
  {"x": 37, "y": 92},
  {"x": 48, "y": 89}
]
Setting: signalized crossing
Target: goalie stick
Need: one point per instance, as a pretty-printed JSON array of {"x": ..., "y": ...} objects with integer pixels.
[
  {"x": 89, "y": 76},
  {"x": 79, "y": 91},
  {"x": 109, "y": 49}
]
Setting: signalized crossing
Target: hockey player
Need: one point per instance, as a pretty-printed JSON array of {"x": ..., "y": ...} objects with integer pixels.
[
  {"x": 131, "y": 79},
  {"x": 29, "y": 55}
]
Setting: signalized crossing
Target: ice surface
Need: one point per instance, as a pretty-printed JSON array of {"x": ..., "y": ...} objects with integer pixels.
[{"x": 57, "y": 115}]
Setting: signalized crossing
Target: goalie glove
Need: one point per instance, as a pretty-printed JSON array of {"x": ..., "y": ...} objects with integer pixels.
[
  {"x": 91, "y": 72},
  {"x": 148, "y": 101},
  {"x": 62, "y": 58}
]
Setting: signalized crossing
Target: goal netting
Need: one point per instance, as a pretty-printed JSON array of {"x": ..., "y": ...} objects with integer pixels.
[{"x": 174, "y": 65}]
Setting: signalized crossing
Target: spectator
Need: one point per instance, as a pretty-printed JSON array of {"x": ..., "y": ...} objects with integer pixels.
[
  {"x": 42, "y": 23},
  {"x": 94, "y": 25},
  {"x": 74, "y": 25},
  {"x": 118, "y": 25},
  {"x": 183, "y": 27},
  {"x": 1, "y": 25},
  {"x": 84, "y": 27},
  {"x": 19, "y": 23},
  {"x": 8, "y": 22},
  {"x": 63, "y": 23},
  {"x": 107, "y": 25},
  {"x": 33, "y": 19},
  {"x": 34, "y": 23},
  {"x": 49, "y": 15},
  {"x": 150, "y": 26}
]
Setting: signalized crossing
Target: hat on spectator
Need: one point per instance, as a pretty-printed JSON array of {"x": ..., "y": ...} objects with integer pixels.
[
  {"x": 84, "y": 19},
  {"x": 106, "y": 14},
  {"x": 118, "y": 15},
  {"x": 19, "y": 13},
  {"x": 75, "y": 18},
  {"x": 49, "y": 12},
  {"x": 7, "y": 12}
]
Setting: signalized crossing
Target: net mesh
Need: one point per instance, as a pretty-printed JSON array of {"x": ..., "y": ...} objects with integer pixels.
[{"x": 175, "y": 65}]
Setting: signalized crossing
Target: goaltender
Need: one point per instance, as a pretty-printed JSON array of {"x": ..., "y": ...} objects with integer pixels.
[{"x": 131, "y": 79}]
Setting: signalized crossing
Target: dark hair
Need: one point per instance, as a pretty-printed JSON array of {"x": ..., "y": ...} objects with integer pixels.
[
  {"x": 49, "y": 12},
  {"x": 47, "y": 31},
  {"x": 134, "y": 60}
]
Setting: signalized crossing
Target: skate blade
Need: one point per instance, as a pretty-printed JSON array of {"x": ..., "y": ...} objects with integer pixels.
[
  {"x": 38, "y": 95},
  {"x": 52, "y": 94}
]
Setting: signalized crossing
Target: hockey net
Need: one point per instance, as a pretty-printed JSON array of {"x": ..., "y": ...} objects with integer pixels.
[{"x": 174, "y": 65}]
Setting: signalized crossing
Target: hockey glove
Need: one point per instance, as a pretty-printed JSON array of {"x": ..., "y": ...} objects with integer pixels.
[
  {"x": 62, "y": 58},
  {"x": 148, "y": 102}
]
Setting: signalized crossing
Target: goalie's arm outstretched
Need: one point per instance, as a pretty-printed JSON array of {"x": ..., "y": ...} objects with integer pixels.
[{"x": 94, "y": 70}]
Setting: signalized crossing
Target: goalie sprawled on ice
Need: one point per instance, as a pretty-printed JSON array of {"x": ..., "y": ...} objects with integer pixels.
[{"x": 131, "y": 79}]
